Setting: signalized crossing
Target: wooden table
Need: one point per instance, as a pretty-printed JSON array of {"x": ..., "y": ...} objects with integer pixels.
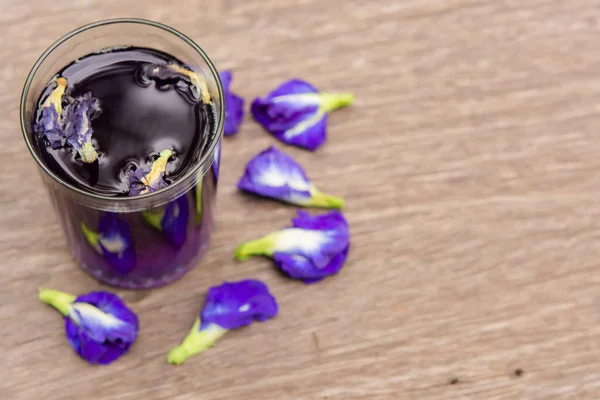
[{"x": 469, "y": 165}]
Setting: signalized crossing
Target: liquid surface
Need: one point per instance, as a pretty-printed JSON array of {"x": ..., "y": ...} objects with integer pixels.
[{"x": 140, "y": 116}]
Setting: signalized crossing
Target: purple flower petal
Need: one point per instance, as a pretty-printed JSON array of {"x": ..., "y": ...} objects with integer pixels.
[
  {"x": 175, "y": 220},
  {"x": 226, "y": 78},
  {"x": 49, "y": 124},
  {"x": 333, "y": 220},
  {"x": 301, "y": 268},
  {"x": 144, "y": 180},
  {"x": 78, "y": 128},
  {"x": 234, "y": 105},
  {"x": 113, "y": 305},
  {"x": 98, "y": 325},
  {"x": 296, "y": 113},
  {"x": 313, "y": 248},
  {"x": 228, "y": 306},
  {"x": 113, "y": 241},
  {"x": 136, "y": 185},
  {"x": 293, "y": 86},
  {"x": 272, "y": 173},
  {"x": 275, "y": 175},
  {"x": 235, "y": 304},
  {"x": 116, "y": 242}
]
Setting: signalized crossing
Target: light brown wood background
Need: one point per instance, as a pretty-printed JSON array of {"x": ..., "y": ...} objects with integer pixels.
[{"x": 470, "y": 168}]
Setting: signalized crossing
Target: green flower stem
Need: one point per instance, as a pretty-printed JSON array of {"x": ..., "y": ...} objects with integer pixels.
[
  {"x": 333, "y": 101},
  {"x": 92, "y": 237},
  {"x": 258, "y": 247},
  {"x": 195, "y": 342},
  {"x": 60, "y": 300},
  {"x": 322, "y": 200},
  {"x": 154, "y": 217},
  {"x": 199, "y": 199},
  {"x": 88, "y": 153}
]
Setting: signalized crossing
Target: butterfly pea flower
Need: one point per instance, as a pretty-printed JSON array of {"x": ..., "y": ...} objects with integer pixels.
[
  {"x": 78, "y": 130},
  {"x": 49, "y": 124},
  {"x": 171, "y": 220},
  {"x": 234, "y": 105},
  {"x": 113, "y": 241},
  {"x": 313, "y": 248},
  {"x": 143, "y": 181},
  {"x": 296, "y": 113},
  {"x": 275, "y": 175},
  {"x": 99, "y": 326},
  {"x": 173, "y": 71},
  {"x": 228, "y": 306}
]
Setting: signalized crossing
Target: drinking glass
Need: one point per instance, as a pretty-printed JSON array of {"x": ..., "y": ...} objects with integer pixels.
[{"x": 123, "y": 241}]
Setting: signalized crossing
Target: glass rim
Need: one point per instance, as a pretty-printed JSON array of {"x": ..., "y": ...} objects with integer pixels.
[{"x": 123, "y": 199}]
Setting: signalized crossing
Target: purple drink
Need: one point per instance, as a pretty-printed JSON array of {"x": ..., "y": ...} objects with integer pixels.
[{"x": 149, "y": 111}]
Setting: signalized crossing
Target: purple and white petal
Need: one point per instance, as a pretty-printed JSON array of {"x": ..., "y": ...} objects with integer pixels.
[
  {"x": 49, "y": 124},
  {"x": 296, "y": 113},
  {"x": 144, "y": 180},
  {"x": 175, "y": 220},
  {"x": 276, "y": 175},
  {"x": 98, "y": 325},
  {"x": 78, "y": 127},
  {"x": 113, "y": 241},
  {"x": 228, "y": 306},
  {"x": 116, "y": 242},
  {"x": 311, "y": 249},
  {"x": 235, "y": 304}
]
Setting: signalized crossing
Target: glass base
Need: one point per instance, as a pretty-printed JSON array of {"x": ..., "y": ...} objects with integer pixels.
[
  {"x": 147, "y": 283},
  {"x": 144, "y": 283}
]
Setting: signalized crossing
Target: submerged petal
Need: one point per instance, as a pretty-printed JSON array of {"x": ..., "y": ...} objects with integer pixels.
[
  {"x": 113, "y": 241},
  {"x": 296, "y": 113},
  {"x": 228, "y": 306},
  {"x": 171, "y": 220},
  {"x": 174, "y": 222},
  {"x": 313, "y": 248},
  {"x": 276, "y": 175},
  {"x": 198, "y": 197}
]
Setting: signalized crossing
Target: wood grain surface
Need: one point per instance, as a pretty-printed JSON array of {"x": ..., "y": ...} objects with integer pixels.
[{"x": 469, "y": 166}]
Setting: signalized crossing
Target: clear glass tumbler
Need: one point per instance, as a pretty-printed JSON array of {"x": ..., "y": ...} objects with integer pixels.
[{"x": 119, "y": 240}]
